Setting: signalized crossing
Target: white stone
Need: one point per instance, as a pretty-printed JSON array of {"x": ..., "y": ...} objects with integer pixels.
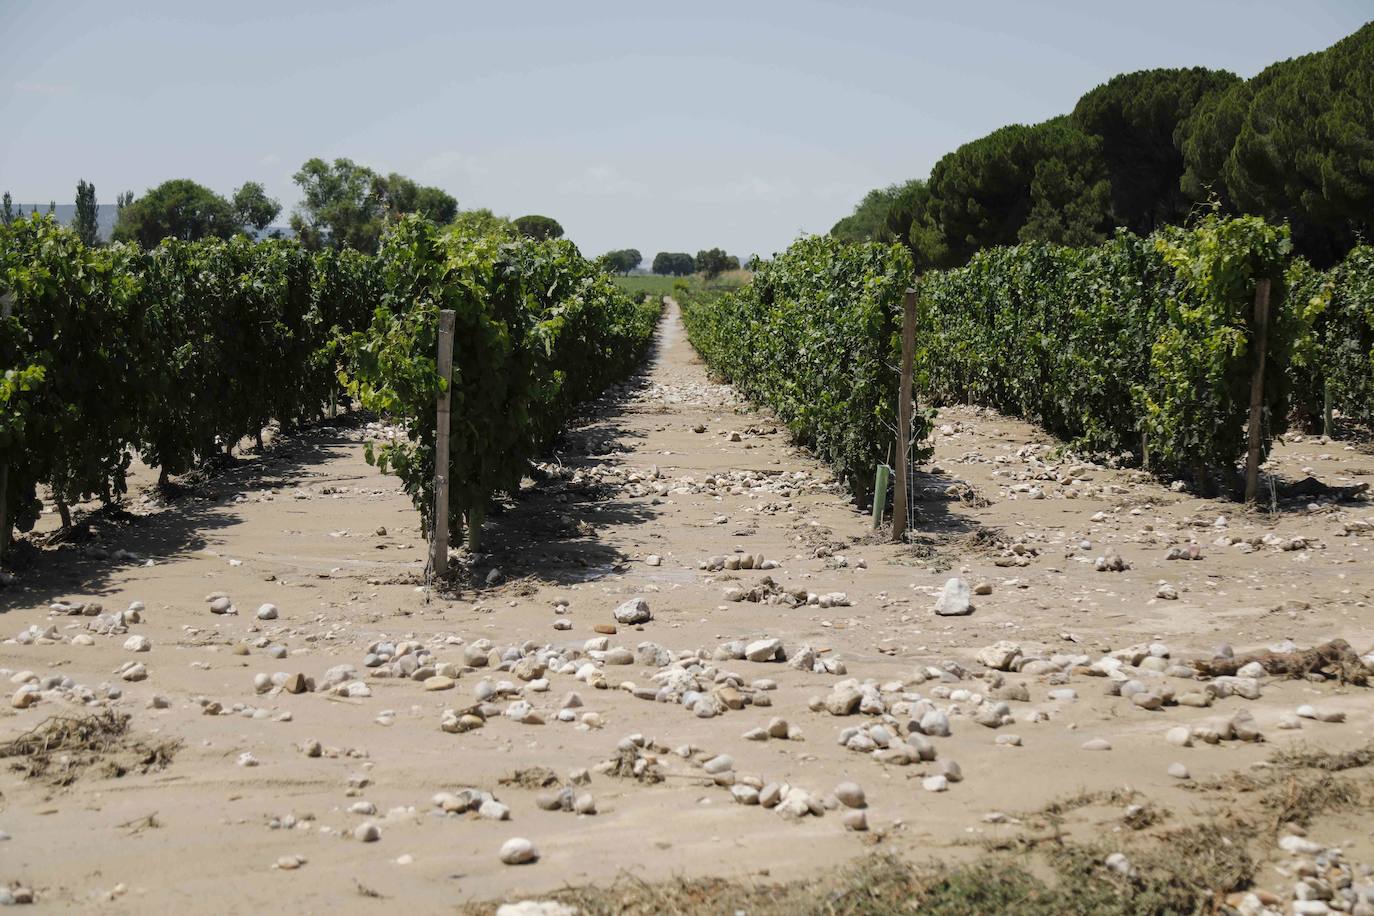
[
  {"x": 518, "y": 851},
  {"x": 954, "y": 600},
  {"x": 636, "y": 610}
]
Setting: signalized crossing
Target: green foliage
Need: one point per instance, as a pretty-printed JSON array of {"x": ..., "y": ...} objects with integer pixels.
[
  {"x": 238, "y": 334},
  {"x": 1068, "y": 199},
  {"x": 7, "y": 213},
  {"x": 341, "y": 207},
  {"x": 67, "y": 412},
  {"x": 1135, "y": 117},
  {"x": 674, "y": 264},
  {"x": 175, "y": 351},
  {"x": 535, "y": 226},
  {"x": 1304, "y": 151},
  {"x": 480, "y": 221},
  {"x": 984, "y": 193},
  {"x": 1197, "y": 396},
  {"x": 622, "y": 260},
  {"x": 814, "y": 337},
  {"x": 253, "y": 207},
  {"x": 1340, "y": 351},
  {"x": 1137, "y": 335},
  {"x": 401, "y": 196},
  {"x": 177, "y": 209},
  {"x": 1294, "y": 144},
  {"x": 538, "y": 330},
  {"x": 715, "y": 262},
  {"x": 84, "y": 223},
  {"x": 347, "y": 205}
]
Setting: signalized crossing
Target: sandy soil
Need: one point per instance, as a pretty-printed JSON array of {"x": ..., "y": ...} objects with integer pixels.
[{"x": 301, "y": 527}]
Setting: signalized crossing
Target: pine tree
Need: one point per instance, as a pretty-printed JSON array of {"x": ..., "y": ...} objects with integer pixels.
[
  {"x": 84, "y": 222},
  {"x": 7, "y": 214}
]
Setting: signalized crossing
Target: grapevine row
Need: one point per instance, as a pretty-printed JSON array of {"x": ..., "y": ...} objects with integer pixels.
[
  {"x": 1141, "y": 348},
  {"x": 177, "y": 352}
]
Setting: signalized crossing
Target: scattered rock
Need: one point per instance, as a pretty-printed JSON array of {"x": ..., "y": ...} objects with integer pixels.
[
  {"x": 954, "y": 600},
  {"x": 518, "y": 851},
  {"x": 636, "y": 610}
]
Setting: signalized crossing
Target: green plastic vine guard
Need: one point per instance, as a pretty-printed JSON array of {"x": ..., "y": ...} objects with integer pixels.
[{"x": 880, "y": 494}]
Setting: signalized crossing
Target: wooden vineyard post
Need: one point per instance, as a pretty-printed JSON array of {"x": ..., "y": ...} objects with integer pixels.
[
  {"x": 899, "y": 491},
  {"x": 439, "y": 557},
  {"x": 6, "y": 305},
  {"x": 1326, "y": 409},
  {"x": 1252, "y": 460}
]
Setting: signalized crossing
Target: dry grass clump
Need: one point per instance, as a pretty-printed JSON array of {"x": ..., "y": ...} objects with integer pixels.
[{"x": 61, "y": 748}]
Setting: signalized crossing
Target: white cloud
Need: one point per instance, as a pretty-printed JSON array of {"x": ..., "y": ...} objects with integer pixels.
[
  {"x": 602, "y": 181},
  {"x": 749, "y": 188},
  {"x": 451, "y": 166},
  {"x": 34, "y": 88}
]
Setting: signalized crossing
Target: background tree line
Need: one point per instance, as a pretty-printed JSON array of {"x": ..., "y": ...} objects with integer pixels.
[
  {"x": 1294, "y": 144},
  {"x": 712, "y": 263},
  {"x": 344, "y": 205}
]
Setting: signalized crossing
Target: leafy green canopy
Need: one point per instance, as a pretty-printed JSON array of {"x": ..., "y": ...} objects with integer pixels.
[
  {"x": 347, "y": 205},
  {"x": 674, "y": 264},
  {"x": 176, "y": 209},
  {"x": 538, "y": 330},
  {"x": 535, "y": 226},
  {"x": 814, "y": 337},
  {"x": 172, "y": 351},
  {"x": 622, "y": 260},
  {"x": 1139, "y": 335},
  {"x": 1294, "y": 144}
]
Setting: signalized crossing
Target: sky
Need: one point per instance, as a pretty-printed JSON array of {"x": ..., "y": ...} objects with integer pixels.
[{"x": 635, "y": 124}]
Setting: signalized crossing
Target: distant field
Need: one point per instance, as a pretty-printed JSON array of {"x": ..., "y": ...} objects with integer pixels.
[
  {"x": 663, "y": 286},
  {"x": 647, "y": 283}
]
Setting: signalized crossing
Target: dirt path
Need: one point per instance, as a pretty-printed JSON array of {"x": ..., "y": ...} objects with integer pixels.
[{"x": 675, "y": 467}]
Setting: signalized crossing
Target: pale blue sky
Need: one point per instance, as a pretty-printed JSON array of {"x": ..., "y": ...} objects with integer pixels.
[{"x": 636, "y": 124}]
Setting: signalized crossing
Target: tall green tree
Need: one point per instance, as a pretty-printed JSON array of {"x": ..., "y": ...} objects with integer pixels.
[
  {"x": 253, "y": 207},
  {"x": 1305, "y": 150},
  {"x": 401, "y": 196},
  {"x": 984, "y": 192},
  {"x": 342, "y": 205},
  {"x": 347, "y": 205},
  {"x": 176, "y": 209},
  {"x": 85, "y": 222},
  {"x": 7, "y": 214},
  {"x": 674, "y": 264},
  {"x": 535, "y": 226},
  {"x": 1135, "y": 118},
  {"x": 1070, "y": 197},
  {"x": 622, "y": 260},
  {"x": 715, "y": 262},
  {"x": 897, "y": 213}
]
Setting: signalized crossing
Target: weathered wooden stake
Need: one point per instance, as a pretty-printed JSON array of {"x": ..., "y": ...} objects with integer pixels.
[
  {"x": 899, "y": 494},
  {"x": 1326, "y": 409},
  {"x": 1252, "y": 460},
  {"x": 6, "y": 305},
  {"x": 439, "y": 557},
  {"x": 880, "y": 495}
]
